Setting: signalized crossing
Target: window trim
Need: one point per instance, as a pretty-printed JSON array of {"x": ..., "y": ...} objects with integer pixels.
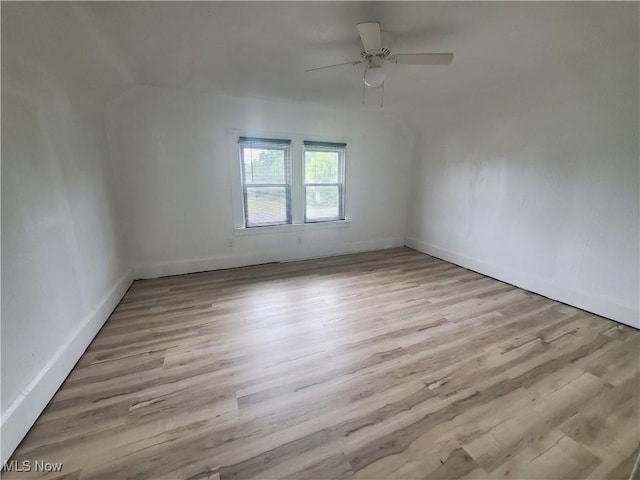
[{"x": 291, "y": 228}]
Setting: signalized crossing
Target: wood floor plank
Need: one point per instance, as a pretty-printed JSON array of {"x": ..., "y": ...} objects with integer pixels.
[
  {"x": 388, "y": 364},
  {"x": 552, "y": 455}
]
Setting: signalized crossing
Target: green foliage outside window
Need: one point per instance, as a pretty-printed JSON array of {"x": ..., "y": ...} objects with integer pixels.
[{"x": 323, "y": 168}]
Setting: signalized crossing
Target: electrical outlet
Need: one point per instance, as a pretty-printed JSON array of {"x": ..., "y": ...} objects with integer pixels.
[{"x": 299, "y": 240}]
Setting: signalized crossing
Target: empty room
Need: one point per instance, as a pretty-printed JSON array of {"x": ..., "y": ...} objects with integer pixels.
[{"x": 320, "y": 240}]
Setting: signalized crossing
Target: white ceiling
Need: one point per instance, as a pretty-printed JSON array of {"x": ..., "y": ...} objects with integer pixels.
[{"x": 261, "y": 49}]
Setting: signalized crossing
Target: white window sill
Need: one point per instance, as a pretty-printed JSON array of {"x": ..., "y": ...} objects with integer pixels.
[{"x": 292, "y": 227}]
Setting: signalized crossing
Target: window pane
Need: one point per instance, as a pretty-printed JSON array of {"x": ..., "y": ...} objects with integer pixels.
[
  {"x": 266, "y": 205},
  {"x": 321, "y": 167},
  {"x": 322, "y": 202},
  {"x": 264, "y": 165}
]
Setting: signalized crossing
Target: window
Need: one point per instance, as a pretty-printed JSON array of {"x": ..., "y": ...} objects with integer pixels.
[
  {"x": 266, "y": 181},
  {"x": 324, "y": 181},
  {"x": 287, "y": 183}
]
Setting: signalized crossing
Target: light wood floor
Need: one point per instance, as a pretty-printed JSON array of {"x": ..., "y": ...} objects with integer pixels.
[{"x": 389, "y": 365}]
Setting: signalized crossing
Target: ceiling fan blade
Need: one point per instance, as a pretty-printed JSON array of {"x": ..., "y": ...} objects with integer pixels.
[
  {"x": 353, "y": 62},
  {"x": 370, "y": 36},
  {"x": 422, "y": 58}
]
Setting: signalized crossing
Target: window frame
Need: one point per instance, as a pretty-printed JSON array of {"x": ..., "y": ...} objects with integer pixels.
[
  {"x": 278, "y": 144},
  {"x": 318, "y": 146}
]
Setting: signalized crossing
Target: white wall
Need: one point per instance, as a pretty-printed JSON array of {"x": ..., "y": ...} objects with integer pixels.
[
  {"x": 172, "y": 159},
  {"x": 63, "y": 264},
  {"x": 537, "y": 183}
]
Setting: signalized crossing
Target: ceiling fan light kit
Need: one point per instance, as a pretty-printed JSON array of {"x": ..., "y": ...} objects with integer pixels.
[
  {"x": 376, "y": 56},
  {"x": 374, "y": 74}
]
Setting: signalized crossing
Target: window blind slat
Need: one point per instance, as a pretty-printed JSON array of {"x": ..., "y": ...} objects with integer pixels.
[
  {"x": 311, "y": 143},
  {"x": 269, "y": 141}
]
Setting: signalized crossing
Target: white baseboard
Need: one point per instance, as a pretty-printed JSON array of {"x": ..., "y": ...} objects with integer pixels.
[
  {"x": 583, "y": 300},
  {"x": 243, "y": 259},
  {"x": 24, "y": 411}
]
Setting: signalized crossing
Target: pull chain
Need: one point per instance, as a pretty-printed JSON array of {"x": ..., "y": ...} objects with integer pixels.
[{"x": 381, "y": 94}]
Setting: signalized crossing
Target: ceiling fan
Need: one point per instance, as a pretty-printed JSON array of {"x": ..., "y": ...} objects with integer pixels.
[{"x": 376, "y": 57}]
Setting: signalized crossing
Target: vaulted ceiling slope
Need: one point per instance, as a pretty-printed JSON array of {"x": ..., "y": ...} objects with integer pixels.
[
  {"x": 261, "y": 49},
  {"x": 61, "y": 43}
]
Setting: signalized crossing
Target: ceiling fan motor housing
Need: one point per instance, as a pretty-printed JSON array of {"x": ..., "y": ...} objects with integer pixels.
[{"x": 382, "y": 53}]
